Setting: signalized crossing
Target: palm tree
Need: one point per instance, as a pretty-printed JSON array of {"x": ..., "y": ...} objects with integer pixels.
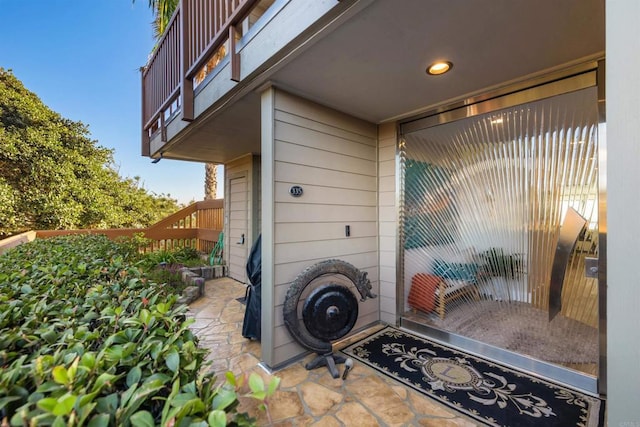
[
  {"x": 163, "y": 11},
  {"x": 210, "y": 181}
]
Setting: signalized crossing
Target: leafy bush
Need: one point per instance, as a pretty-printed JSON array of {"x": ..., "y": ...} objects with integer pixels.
[
  {"x": 169, "y": 275},
  {"x": 53, "y": 175},
  {"x": 163, "y": 266},
  {"x": 180, "y": 257},
  {"x": 86, "y": 339}
]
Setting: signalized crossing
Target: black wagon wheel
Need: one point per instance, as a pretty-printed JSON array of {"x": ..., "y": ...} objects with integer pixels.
[{"x": 321, "y": 304}]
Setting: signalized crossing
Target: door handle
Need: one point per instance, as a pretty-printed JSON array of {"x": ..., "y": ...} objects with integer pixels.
[
  {"x": 241, "y": 242},
  {"x": 591, "y": 267}
]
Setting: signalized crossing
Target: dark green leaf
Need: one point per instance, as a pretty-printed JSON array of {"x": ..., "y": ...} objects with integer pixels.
[
  {"x": 108, "y": 404},
  {"x": 101, "y": 420},
  {"x": 88, "y": 360},
  {"x": 173, "y": 361},
  {"x": 124, "y": 400},
  {"x": 224, "y": 398},
  {"x": 134, "y": 375},
  {"x": 6, "y": 400},
  {"x": 142, "y": 419}
]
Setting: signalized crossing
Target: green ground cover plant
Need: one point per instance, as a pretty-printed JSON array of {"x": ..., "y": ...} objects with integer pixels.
[
  {"x": 87, "y": 339},
  {"x": 163, "y": 266}
]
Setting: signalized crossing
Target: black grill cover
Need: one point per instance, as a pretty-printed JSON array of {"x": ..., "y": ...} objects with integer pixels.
[{"x": 253, "y": 312}]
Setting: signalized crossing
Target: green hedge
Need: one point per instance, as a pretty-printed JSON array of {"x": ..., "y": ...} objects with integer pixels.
[{"x": 86, "y": 339}]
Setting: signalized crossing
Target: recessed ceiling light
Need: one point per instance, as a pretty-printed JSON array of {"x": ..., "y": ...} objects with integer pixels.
[
  {"x": 439, "y": 67},
  {"x": 497, "y": 121}
]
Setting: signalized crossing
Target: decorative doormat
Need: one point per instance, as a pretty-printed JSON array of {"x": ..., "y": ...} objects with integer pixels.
[{"x": 487, "y": 392}]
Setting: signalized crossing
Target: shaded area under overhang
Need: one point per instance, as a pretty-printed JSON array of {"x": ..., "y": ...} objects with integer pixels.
[{"x": 372, "y": 65}]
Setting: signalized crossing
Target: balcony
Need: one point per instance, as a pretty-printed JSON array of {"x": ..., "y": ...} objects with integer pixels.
[
  {"x": 208, "y": 64},
  {"x": 201, "y": 87},
  {"x": 197, "y": 37}
]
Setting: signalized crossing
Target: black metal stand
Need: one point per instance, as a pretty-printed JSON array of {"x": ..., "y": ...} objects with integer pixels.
[{"x": 329, "y": 360}]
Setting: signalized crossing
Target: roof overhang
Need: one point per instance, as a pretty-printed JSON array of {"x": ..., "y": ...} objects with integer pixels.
[{"x": 371, "y": 64}]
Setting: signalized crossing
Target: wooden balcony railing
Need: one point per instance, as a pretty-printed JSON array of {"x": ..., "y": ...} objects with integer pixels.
[
  {"x": 197, "y": 226},
  {"x": 196, "y": 30}
]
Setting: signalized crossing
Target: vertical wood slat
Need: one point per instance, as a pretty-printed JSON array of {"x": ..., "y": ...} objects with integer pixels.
[
  {"x": 234, "y": 56},
  {"x": 145, "y": 149},
  {"x": 218, "y": 16},
  {"x": 198, "y": 28},
  {"x": 205, "y": 25},
  {"x": 186, "y": 85},
  {"x": 161, "y": 77}
]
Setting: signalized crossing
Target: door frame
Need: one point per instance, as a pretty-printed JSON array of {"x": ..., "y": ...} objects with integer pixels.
[{"x": 588, "y": 74}]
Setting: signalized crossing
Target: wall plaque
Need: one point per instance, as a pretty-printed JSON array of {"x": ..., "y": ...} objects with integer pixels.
[{"x": 295, "y": 191}]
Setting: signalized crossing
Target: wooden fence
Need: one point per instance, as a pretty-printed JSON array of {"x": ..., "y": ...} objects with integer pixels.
[{"x": 197, "y": 226}]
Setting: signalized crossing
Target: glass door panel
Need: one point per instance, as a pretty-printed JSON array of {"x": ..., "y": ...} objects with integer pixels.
[{"x": 482, "y": 203}]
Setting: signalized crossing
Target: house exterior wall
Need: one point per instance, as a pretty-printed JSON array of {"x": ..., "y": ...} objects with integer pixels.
[
  {"x": 387, "y": 220},
  {"x": 334, "y": 158},
  {"x": 623, "y": 211}
]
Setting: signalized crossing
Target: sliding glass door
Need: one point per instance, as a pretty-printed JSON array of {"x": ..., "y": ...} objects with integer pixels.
[{"x": 484, "y": 196}]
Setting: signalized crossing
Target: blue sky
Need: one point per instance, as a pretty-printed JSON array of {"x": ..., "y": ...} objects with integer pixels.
[{"x": 82, "y": 58}]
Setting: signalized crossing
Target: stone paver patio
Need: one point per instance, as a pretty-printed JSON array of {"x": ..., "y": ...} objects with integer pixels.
[{"x": 308, "y": 398}]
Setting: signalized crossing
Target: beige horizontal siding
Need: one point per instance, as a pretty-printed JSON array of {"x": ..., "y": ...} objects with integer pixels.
[
  {"x": 310, "y": 133},
  {"x": 322, "y": 249},
  {"x": 296, "y": 106},
  {"x": 387, "y": 148},
  {"x": 387, "y": 168},
  {"x": 334, "y": 158},
  {"x": 387, "y": 217},
  {"x": 323, "y": 159},
  {"x": 323, "y": 195},
  {"x": 387, "y": 184},
  {"x": 292, "y": 232},
  {"x": 288, "y": 271},
  {"x": 294, "y": 212},
  {"x": 304, "y": 174},
  {"x": 388, "y": 229}
]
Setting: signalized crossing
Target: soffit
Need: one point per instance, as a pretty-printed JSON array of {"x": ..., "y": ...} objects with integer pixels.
[{"x": 373, "y": 65}]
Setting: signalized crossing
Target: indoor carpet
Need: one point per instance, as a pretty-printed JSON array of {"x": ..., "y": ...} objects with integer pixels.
[
  {"x": 519, "y": 327},
  {"x": 487, "y": 392}
]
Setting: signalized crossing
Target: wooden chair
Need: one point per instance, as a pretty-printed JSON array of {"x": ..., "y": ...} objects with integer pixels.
[
  {"x": 429, "y": 292},
  {"x": 449, "y": 291}
]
